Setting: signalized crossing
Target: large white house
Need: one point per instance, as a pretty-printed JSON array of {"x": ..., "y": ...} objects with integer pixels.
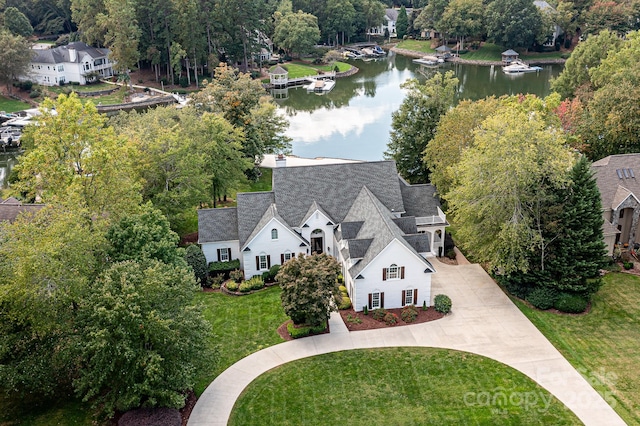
[
  {"x": 381, "y": 229},
  {"x": 76, "y": 62}
]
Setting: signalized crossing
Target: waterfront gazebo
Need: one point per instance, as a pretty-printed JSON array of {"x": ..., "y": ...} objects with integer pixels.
[
  {"x": 279, "y": 77},
  {"x": 509, "y": 56}
]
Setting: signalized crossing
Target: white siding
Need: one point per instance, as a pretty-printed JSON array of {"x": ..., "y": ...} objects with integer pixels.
[
  {"x": 319, "y": 221},
  {"x": 414, "y": 278},
  {"x": 264, "y": 244},
  {"x": 210, "y": 250}
]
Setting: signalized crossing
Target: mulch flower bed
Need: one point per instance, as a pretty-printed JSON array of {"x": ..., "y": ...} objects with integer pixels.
[
  {"x": 368, "y": 323},
  {"x": 284, "y": 333}
]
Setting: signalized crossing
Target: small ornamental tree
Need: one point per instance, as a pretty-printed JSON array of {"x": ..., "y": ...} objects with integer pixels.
[
  {"x": 198, "y": 262},
  {"x": 308, "y": 284}
]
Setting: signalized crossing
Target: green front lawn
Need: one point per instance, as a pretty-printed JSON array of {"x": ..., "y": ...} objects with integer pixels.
[
  {"x": 603, "y": 344},
  {"x": 306, "y": 69},
  {"x": 417, "y": 45},
  {"x": 11, "y": 105},
  {"x": 397, "y": 386},
  {"x": 241, "y": 325}
]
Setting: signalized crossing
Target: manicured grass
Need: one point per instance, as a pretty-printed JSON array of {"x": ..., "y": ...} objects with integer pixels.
[
  {"x": 303, "y": 69},
  {"x": 417, "y": 45},
  {"x": 603, "y": 344},
  {"x": 486, "y": 52},
  {"x": 11, "y": 105},
  {"x": 397, "y": 386},
  {"x": 84, "y": 88},
  {"x": 241, "y": 325},
  {"x": 116, "y": 97},
  {"x": 542, "y": 55}
]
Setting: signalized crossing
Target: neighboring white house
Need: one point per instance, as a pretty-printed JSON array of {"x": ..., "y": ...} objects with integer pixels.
[
  {"x": 76, "y": 62},
  {"x": 556, "y": 31},
  {"x": 380, "y": 228},
  {"x": 389, "y": 24}
]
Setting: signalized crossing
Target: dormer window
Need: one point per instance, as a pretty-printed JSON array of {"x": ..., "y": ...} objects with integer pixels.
[{"x": 274, "y": 234}]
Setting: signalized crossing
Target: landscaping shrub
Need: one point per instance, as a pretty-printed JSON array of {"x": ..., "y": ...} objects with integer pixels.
[
  {"x": 571, "y": 303},
  {"x": 34, "y": 94},
  {"x": 424, "y": 305},
  {"x": 256, "y": 283},
  {"x": 378, "y": 314},
  {"x": 232, "y": 285},
  {"x": 342, "y": 289},
  {"x": 215, "y": 281},
  {"x": 265, "y": 276},
  {"x": 542, "y": 297},
  {"x": 353, "y": 319},
  {"x": 236, "y": 275},
  {"x": 345, "y": 304},
  {"x": 341, "y": 279},
  {"x": 195, "y": 258},
  {"x": 225, "y": 267},
  {"x": 409, "y": 313},
  {"x": 390, "y": 318},
  {"x": 365, "y": 310},
  {"x": 628, "y": 265},
  {"x": 451, "y": 254},
  {"x": 273, "y": 271},
  {"x": 244, "y": 287},
  {"x": 442, "y": 303},
  {"x": 305, "y": 330}
]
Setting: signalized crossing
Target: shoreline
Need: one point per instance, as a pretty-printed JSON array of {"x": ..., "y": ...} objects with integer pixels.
[{"x": 456, "y": 59}]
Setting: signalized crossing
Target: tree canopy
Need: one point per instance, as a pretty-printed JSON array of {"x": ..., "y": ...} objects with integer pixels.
[
  {"x": 414, "y": 124},
  {"x": 297, "y": 33},
  {"x": 513, "y": 23},
  {"x": 15, "y": 56}
]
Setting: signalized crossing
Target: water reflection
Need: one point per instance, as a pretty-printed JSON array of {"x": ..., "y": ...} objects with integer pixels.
[{"x": 354, "y": 119}]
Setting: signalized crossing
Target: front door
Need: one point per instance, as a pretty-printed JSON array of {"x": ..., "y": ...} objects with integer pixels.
[{"x": 316, "y": 245}]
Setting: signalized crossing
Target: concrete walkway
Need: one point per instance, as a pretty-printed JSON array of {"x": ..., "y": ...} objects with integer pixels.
[{"x": 483, "y": 321}]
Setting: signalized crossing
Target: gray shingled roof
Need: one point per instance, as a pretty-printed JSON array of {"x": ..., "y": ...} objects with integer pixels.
[
  {"x": 377, "y": 226},
  {"x": 419, "y": 200},
  {"x": 392, "y": 14},
  {"x": 251, "y": 208},
  {"x": 349, "y": 230},
  {"x": 510, "y": 52},
  {"x": 420, "y": 242},
  {"x": 217, "y": 225},
  {"x": 10, "y": 212},
  {"x": 609, "y": 182},
  {"x": 59, "y": 55},
  {"x": 278, "y": 71},
  {"x": 334, "y": 187},
  {"x": 358, "y": 248},
  {"x": 407, "y": 224}
]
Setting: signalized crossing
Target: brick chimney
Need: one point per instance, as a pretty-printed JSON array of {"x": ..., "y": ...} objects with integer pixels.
[{"x": 281, "y": 161}]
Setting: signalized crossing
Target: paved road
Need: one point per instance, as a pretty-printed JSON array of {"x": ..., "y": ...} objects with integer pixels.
[{"x": 484, "y": 321}]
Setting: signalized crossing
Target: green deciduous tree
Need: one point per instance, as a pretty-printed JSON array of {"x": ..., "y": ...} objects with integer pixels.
[
  {"x": 144, "y": 237},
  {"x": 15, "y": 55},
  {"x": 122, "y": 34},
  {"x": 453, "y": 135},
  {"x": 586, "y": 56},
  {"x": 244, "y": 103},
  {"x": 143, "y": 337},
  {"x": 47, "y": 262},
  {"x": 512, "y": 23},
  {"x": 76, "y": 159},
  {"x": 16, "y": 22},
  {"x": 503, "y": 185},
  {"x": 297, "y": 33},
  {"x": 463, "y": 18},
  {"x": 308, "y": 284},
  {"x": 414, "y": 124}
]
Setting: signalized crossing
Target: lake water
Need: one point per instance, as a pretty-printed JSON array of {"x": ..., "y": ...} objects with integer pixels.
[{"x": 354, "y": 119}]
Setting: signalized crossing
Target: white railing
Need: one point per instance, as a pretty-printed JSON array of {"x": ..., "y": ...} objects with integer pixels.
[{"x": 430, "y": 220}]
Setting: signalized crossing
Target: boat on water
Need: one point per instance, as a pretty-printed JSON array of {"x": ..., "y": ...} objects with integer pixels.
[
  {"x": 319, "y": 86},
  {"x": 431, "y": 61},
  {"x": 519, "y": 67}
]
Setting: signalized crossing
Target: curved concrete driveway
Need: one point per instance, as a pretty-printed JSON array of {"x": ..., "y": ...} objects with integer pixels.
[{"x": 484, "y": 321}]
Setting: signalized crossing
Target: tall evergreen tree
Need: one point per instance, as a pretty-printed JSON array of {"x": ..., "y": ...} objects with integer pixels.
[
  {"x": 580, "y": 249},
  {"x": 402, "y": 25}
]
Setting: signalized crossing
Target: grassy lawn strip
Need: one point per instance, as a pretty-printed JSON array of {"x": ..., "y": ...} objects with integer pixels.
[
  {"x": 417, "y": 45},
  {"x": 11, "y": 105},
  {"x": 304, "y": 69},
  {"x": 241, "y": 326},
  {"x": 603, "y": 344},
  {"x": 397, "y": 386},
  {"x": 487, "y": 52}
]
